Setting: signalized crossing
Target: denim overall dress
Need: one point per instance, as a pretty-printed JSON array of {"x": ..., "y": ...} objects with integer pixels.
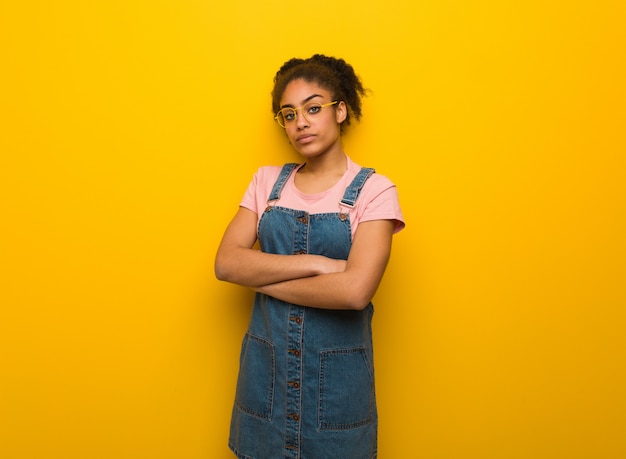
[{"x": 306, "y": 378}]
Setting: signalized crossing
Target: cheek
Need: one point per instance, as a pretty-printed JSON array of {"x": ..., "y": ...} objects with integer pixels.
[
  {"x": 334, "y": 128},
  {"x": 291, "y": 135},
  {"x": 290, "y": 132}
]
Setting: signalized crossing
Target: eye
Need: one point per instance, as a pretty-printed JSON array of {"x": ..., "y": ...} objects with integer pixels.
[
  {"x": 288, "y": 114},
  {"x": 313, "y": 109}
]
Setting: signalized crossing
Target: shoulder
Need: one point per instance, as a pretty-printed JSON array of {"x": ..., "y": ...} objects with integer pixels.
[
  {"x": 379, "y": 191},
  {"x": 379, "y": 182},
  {"x": 260, "y": 187},
  {"x": 375, "y": 181},
  {"x": 268, "y": 171},
  {"x": 379, "y": 201},
  {"x": 267, "y": 174}
]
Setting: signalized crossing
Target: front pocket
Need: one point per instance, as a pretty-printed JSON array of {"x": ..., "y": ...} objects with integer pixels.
[
  {"x": 346, "y": 399},
  {"x": 255, "y": 385}
]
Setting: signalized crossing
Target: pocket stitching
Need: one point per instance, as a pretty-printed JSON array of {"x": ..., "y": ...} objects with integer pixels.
[
  {"x": 270, "y": 401},
  {"x": 323, "y": 425}
]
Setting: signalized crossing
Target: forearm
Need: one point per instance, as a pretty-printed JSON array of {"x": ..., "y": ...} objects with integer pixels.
[
  {"x": 352, "y": 288},
  {"x": 253, "y": 268},
  {"x": 328, "y": 291}
]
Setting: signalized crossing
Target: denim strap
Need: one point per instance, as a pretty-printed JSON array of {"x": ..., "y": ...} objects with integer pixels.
[
  {"x": 354, "y": 189},
  {"x": 281, "y": 180}
]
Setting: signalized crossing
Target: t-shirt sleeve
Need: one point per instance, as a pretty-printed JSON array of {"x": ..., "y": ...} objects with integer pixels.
[
  {"x": 255, "y": 197},
  {"x": 380, "y": 201},
  {"x": 249, "y": 200}
]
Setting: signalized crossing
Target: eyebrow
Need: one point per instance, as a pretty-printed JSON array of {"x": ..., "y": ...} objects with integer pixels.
[{"x": 313, "y": 96}]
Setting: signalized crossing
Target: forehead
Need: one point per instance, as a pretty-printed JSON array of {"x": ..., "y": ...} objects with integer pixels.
[{"x": 297, "y": 91}]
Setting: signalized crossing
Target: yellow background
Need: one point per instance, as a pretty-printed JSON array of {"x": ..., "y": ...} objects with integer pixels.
[{"x": 129, "y": 130}]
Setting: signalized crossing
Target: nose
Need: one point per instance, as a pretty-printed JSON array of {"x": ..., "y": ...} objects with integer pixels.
[{"x": 301, "y": 121}]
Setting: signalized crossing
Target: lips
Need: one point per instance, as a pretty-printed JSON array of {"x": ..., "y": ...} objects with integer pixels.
[{"x": 305, "y": 138}]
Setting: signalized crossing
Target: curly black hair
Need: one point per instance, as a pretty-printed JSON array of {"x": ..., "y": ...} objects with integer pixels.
[{"x": 330, "y": 73}]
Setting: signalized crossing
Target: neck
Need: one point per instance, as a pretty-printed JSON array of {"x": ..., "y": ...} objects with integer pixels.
[{"x": 326, "y": 164}]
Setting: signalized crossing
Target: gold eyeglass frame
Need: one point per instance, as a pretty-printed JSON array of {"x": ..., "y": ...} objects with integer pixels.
[{"x": 277, "y": 117}]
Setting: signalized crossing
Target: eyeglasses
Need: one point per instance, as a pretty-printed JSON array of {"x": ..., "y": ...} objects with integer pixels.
[{"x": 288, "y": 115}]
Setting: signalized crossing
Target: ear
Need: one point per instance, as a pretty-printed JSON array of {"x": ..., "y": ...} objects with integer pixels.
[{"x": 341, "y": 112}]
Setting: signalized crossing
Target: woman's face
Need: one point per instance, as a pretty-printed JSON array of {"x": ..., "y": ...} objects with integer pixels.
[{"x": 314, "y": 130}]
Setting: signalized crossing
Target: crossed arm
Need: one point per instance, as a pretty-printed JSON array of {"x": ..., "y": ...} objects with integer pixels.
[{"x": 308, "y": 280}]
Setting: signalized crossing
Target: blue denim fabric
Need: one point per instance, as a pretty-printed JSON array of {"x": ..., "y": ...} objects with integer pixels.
[{"x": 306, "y": 381}]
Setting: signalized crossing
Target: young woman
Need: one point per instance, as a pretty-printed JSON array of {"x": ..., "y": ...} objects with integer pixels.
[{"x": 324, "y": 226}]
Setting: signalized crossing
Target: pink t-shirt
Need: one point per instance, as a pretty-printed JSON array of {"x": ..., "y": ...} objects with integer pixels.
[{"x": 378, "y": 199}]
